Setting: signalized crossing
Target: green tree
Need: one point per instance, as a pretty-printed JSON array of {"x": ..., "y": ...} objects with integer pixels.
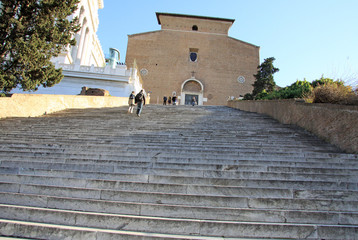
[
  {"x": 31, "y": 33},
  {"x": 264, "y": 77}
]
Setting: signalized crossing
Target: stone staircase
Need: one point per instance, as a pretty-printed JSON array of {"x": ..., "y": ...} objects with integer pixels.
[{"x": 177, "y": 172}]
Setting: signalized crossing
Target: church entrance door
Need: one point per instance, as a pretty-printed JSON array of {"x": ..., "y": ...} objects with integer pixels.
[
  {"x": 191, "y": 88},
  {"x": 189, "y": 98}
]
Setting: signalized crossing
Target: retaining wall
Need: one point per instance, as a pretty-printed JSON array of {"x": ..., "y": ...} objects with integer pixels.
[
  {"x": 337, "y": 124},
  {"x": 34, "y": 105}
]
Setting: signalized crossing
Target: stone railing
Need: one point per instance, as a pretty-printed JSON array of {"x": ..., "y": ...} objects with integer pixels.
[
  {"x": 34, "y": 105},
  {"x": 337, "y": 124}
]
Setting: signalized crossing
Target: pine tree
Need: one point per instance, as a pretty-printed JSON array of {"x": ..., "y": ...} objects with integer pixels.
[
  {"x": 264, "y": 77},
  {"x": 31, "y": 33}
]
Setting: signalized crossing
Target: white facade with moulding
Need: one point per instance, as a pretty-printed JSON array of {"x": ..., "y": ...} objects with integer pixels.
[
  {"x": 84, "y": 65},
  {"x": 88, "y": 50}
]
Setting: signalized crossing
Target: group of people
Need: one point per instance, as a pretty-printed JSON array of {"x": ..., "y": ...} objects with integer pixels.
[
  {"x": 138, "y": 100},
  {"x": 170, "y": 100},
  {"x": 174, "y": 100}
]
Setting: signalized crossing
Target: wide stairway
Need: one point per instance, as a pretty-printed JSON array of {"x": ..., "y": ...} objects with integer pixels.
[{"x": 176, "y": 172}]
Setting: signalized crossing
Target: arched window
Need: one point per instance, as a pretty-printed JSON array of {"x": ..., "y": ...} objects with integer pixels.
[{"x": 195, "y": 28}]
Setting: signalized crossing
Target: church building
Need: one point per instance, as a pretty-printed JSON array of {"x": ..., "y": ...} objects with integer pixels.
[{"x": 193, "y": 56}]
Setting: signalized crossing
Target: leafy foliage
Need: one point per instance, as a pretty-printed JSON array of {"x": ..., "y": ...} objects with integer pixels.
[
  {"x": 264, "y": 77},
  {"x": 323, "y": 90},
  {"x": 299, "y": 89},
  {"x": 31, "y": 33}
]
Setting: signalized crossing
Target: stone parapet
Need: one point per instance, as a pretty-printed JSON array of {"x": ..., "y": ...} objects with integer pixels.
[
  {"x": 34, "y": 105},
  {"x": 337, "y": 124}
]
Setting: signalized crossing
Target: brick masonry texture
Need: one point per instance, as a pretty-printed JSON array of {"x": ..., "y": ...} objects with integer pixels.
[{"x": 221, "y": 59}]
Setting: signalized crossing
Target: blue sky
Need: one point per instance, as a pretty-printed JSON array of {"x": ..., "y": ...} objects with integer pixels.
[{"x": 308, "y": 38}]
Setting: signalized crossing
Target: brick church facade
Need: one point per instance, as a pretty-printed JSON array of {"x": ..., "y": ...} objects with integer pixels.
[{"x": 193, "y": 56}]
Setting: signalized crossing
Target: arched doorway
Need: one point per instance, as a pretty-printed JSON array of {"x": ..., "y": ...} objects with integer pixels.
[{"x": 189, "y": 89}]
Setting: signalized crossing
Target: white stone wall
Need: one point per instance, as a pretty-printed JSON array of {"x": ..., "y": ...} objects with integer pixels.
[{"x": 119, "y": 81}]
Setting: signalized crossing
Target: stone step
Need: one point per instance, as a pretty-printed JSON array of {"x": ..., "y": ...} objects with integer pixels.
[
  {"x": 184, "y": 211},
  {"x": 133, "y": 189},
  {"x": 102, "y": 181},
  {"x": 174, "y": 225},
  {"x": 122, "y": 179},
  {"x": 189, "y": 163},
  {"x": 53, "y": 231},
  {"x": 187, "y": 149},
  {"x": 55, "y": 145},
  {"x": 129, "y": 159},
  {"x": 118, "y": 154},
  {"x": 214, "y": 172},
  {"x": 152, "y": 169},
  {"x": 192, "y": 201},
  {"x": 243, "y": 179},
  {"x": 156, "y": 162},
  {"x": 163, "y": 148}
]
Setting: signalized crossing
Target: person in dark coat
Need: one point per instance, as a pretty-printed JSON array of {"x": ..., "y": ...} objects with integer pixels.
[{"x": 140, "y": 101}]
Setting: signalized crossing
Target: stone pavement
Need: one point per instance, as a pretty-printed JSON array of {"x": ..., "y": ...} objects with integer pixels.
[{"x": 177, "y": 172}]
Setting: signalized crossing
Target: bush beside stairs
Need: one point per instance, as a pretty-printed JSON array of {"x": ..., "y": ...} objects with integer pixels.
[{"x": 176, "y": 172}]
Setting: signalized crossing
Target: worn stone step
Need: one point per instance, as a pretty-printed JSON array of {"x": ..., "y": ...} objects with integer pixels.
[
  {"x": 201, "y": 169},
  {"x": 153, "y": 162},
  {"x": 57, "y": 232},
  {"x": 217, "y": 164},
  {"x": 63, "y": 154},
  {"x": 133, "y": 189},
  {"x": 152, "y": 169},
  {"x": 243, "y": 182},
  {"x": 53, "y": 231},
  {"x": 214, "y": 175},
  {"x": 119, "y": 181},
  {"x": 171, "y": 225},
  {"x": 39, "y": 199},
  {"x": 184, "y": 211}
]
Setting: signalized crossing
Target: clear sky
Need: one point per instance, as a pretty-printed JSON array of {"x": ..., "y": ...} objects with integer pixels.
[{"x": 308, "y": 38}]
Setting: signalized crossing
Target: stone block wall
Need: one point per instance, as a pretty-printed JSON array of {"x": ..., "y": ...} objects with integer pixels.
[
  {"x": 337, "y": 124},
  {"x": 34, "y": 105}
]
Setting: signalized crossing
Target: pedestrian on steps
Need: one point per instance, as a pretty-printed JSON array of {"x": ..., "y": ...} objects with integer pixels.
[
  {"x": 193, "y": 101},
  {"x": 131, "y": 102},
  {"x": 169, "y": 100},
  {"x": 165, "y": 100},
  {"x": 174, "y": 100},
  {"x": 140, "y": 101}
]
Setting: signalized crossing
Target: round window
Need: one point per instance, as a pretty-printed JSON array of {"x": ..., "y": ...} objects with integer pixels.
[
  {"x": 143, "y": 71},
  {"x": 241, "y": 79}
]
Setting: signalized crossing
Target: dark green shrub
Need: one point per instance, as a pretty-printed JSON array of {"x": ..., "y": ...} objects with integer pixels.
[{"x": 248, "y": 96}]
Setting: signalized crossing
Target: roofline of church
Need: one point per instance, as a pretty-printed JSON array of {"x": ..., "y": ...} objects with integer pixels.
[
  {"x": 192, "y": 16},
  {"x": 247, "y": 43}
]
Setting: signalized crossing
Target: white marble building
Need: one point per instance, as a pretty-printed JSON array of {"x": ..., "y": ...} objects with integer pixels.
[
  {"x": 84, "y": 65},
  {"x": 88, "y": 50}
]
